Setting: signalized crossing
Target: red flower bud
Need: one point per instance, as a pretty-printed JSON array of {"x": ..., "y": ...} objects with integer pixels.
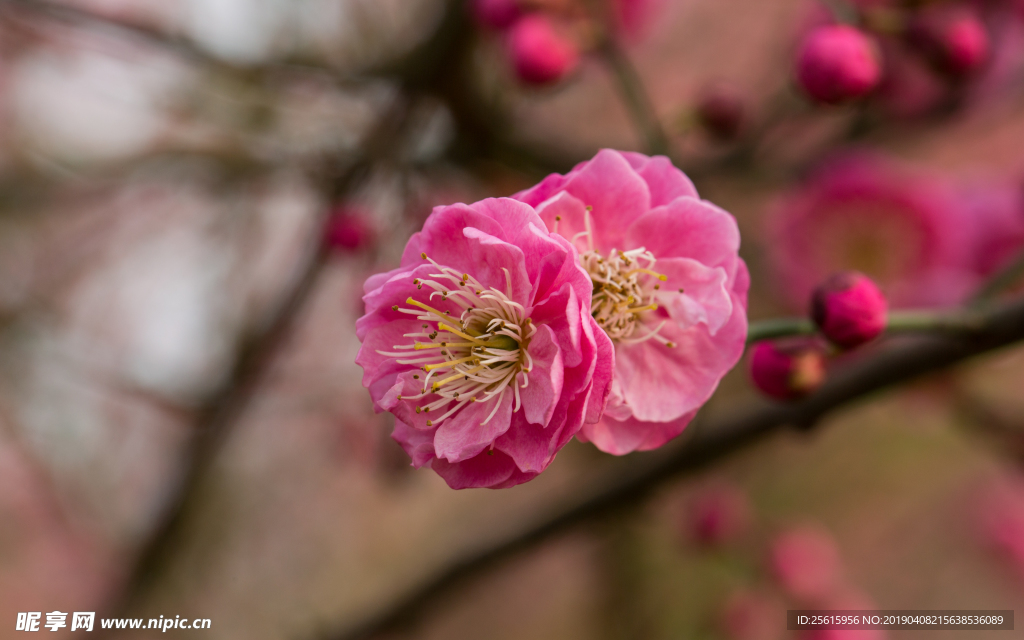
[
  {"x": 721, "y": 110},
  {"x": 953, "y": 38},
  {"x": 849, "y": 309},
  {"x": 540, "y": 55},
  {"x": 349, "y": 231},
  {"x": 838, "y": 63},
  {"x": 496, "y": 14},
  {"x": 787, "y": 370}
]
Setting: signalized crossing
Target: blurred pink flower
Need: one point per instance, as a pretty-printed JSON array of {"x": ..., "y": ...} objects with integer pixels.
[
  {"x": 670, "y": 288},
  {"x": 633, "y": 18},
  {"x": 838, "y": 62},
  {"x": 750, "y": 615},
  {"x": 995, "y": 217},
  {"x": 861, "y": 212},
  {"x": 849, "y": 309},
  {"x": 349, "y": 230},
  {"x": 717, "y": 514},
  {"x": 788, "y": 369},
  {"x": 805, "y": 561},
  {"x": 482, "y": 345},
  {"x": 540, "y": 54}
]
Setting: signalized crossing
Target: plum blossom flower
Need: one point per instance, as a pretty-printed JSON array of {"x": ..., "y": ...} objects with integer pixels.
[
  {"x": 805, "y": 561},
  {"x": 482, "y": 345},
  {"x": 670, "y": 289},
  {"x": 862, "y": 212}
]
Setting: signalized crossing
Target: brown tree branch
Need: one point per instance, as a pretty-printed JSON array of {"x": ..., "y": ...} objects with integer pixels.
[{"x": 634, "y": 480}]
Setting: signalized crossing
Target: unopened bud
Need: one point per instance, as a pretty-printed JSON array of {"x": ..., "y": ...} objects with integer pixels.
[
  {"x": 838, "y": 63},
  {"x": 349, "y": 230},
  {"x": 788, "y": 369},
  {"x": 721, "y": 110},
  {"x": 540, "y": 54},
  {"x": 849, "y": 309},
  {"x": 953, "y": 37},
  {"x": 496, "y": 14}
]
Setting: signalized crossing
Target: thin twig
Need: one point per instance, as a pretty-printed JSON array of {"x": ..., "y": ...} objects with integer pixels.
[
  {"x": 637, "y": 100},
  {"x": 966, "y": 321},
  {"x": 626, "y": 488}
]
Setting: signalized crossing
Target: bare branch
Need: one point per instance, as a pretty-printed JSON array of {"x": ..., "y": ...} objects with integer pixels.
[{"x": 631, "y": 482}]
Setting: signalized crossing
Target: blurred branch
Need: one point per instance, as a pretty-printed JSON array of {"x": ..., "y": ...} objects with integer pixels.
[
  {"x": 638, "y": 102},
  {"x": 966, "y": 321},
  {"x": 256, "y": 353},
  {"x": 183, "y": 47},
  {"x": 641, "y": 474},
  {"x": 779, "y": 328}
]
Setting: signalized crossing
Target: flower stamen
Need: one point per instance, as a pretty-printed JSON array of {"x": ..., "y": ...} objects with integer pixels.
[{"x": 490, "y": 357}]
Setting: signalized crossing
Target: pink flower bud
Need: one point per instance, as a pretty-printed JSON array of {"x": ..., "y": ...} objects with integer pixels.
[
  {"x": 540, "y": 55},
  {"x": 953, "y": 38},
  {"x": 721, "y": 110},
  {"x": 849, "y": 309},
  {"x": 348, "y": 230},
  {"x": 837, "y": 63},
  {"x": 805, "y": 562},
  {"x": 787, "y": 370},
  {"x": 496, "y": 14},
  {"x": 717, "y": 514}
]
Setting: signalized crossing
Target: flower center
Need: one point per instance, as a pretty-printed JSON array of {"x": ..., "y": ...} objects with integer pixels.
[
  {"x": 626, "y": 286},
  {"x": 478, "y": 357}
]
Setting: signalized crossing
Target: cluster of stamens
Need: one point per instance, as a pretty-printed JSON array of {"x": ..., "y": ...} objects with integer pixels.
[
  {"x": 625, "y": 287},
  {"x": 478, "y": 356}
]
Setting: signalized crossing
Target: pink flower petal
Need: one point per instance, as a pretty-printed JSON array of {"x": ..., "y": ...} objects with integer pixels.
[{"x": 545, "y": 377}]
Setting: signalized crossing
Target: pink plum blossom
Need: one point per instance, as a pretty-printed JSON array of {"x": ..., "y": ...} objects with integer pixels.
[
  {"x": 904, "y": 230},
  {"x": 670, "y": 289},
  {"x": 805, "y": 561},
  {"x": 632, "y": 18},
  {"x": 482, "y": 345},
  {"x": 995, "y": 215}
]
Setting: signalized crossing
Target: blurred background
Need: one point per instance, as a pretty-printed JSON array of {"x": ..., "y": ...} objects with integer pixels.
[{"x": 192, "y": 193}]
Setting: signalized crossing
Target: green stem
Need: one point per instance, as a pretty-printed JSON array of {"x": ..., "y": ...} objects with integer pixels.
[
  {"x": 1001, "y": 281},
  {"x": 779, "y": 328},
  {"x": 638, "y": 103},
  {"x": 899, "y": 322}
]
